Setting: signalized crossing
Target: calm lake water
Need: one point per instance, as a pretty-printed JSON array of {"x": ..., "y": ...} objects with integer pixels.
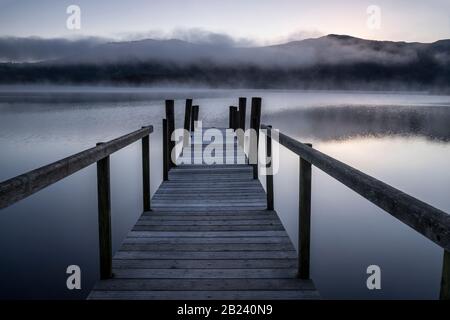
[{"x": 402, "y": 139}]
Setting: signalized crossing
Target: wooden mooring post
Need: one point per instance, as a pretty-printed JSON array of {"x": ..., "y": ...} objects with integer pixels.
[
  {"x": 242, "y": 112},
  {"x": 255, "y": 122},
  {"x": 233, "y": 117},
  {"x": 236, "y": 119},
  {"x": 304, "y": 218},
  {"x": 170, "y": 116},
  {"x": 195, "y": 111},
  {"x": 445, "y": 280},
  {"x": 165, "y": 145},
  {"x": 146, "y": 173},
  {"x": 187, "y": 121},
  {"x": 104, "y": 217},
  {"x": 269, "y": 171}
]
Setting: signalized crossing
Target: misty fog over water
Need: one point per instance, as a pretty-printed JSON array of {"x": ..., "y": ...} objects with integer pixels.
[{"x": 399, "y": 138}]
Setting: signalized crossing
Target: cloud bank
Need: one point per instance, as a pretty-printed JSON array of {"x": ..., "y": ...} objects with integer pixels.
[{"x": 195, "y": 45}]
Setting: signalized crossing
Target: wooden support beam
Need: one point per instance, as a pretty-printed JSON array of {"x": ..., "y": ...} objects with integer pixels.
[
  {"x": 445, "y": 280},
  {"x": 236, "y": 118},
  {"x": 242, "y": 112},
  {"x": 187, "y": 121},
  {"x": 269, "y": 172},
  {"x": 165, "y": 144},
  {"x": 170, "y": 116},
  {"x": 146, "y": 173},
  {"x": 195, "y": 111},
  {"x": 104, "y": 217},
  {"x": 304, "y": 219},
  {"x": 231, "y": 117},
  {"x": 255, "y": 122}
]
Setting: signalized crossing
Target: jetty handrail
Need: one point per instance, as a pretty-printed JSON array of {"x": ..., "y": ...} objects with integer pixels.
[
  {"x": 422, "y": 217},
  {"x": 24, "y": 185},
  {"x": 429, "y": 221}
]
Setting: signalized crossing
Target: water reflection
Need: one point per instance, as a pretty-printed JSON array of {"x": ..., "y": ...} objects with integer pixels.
[
  {"x": 349, "y": 122},
  {"x": 40, "y": 236}
]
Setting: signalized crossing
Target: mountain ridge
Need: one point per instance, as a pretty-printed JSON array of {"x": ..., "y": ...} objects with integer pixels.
[{"x": 332, "y": 60}]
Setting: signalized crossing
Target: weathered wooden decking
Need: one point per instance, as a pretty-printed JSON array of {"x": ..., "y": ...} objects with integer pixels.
[{"x": 209, "y": 236}]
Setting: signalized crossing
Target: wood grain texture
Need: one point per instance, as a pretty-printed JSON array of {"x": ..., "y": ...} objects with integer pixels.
[
  {"x": 429, "y": 221},
  {"x": 209, "y": 236}
]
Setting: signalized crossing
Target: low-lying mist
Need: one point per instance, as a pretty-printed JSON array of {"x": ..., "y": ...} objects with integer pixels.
[{"x": 215, "y": 60}]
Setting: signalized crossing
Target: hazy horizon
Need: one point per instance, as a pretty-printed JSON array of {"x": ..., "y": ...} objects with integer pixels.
[
  {"x": 237, "y": 43},
  {"x": 275, "y": 21}
]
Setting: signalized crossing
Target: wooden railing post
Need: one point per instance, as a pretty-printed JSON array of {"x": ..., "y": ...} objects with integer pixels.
[
  {"x": 165, "y": 145},
  {"x": 170, "y": 116},
  {"x": 104, "y": 217},
  {"x": 269, "y": 171},
  {"x": 255, "y": 122},
  {"x": 242, "y": 112},
  {"x": 304, "y": 219},
  {"x": 195, "y": 110},
  {"x": 146, "y": 173},
  {"x": 445, "y": 280}
]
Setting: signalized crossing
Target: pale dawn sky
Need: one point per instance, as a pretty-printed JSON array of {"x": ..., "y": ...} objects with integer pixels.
[{"x": 261, "y": 21}]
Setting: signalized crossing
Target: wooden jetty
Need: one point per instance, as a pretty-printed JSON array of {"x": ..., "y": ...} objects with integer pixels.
[
  {"x": 209, "y": 236},
  {"x": 211, "y": 231}
]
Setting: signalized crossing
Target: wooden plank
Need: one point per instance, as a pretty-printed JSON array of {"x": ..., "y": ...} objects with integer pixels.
[
  {"x": 241, "y": 204},
  {"x": 208, "y": 223},
  {"x": 216, "y": 168},
  {"x": 203, "y": 217},
  {"x": 204, "y": 264},
  {"x": 207, "y": 211},
  {"x": 246, "y": 240},
  {"x": 205, "y": 255},
  {"x": 228, "y": 206},
  {"x": 193, "y": 215},
  {"x": 203, "y": 284},
  {"x": 209, "y": 196},
  {"x": 204, "y": 273},
  {"x": 210, "y": 211},
  {"x": 207, "y": 295},
  {"x": 210, "y": 228},
  {"x": 214, "y": 182},
  {"x": 211, "y": 168},
  {"x": 216, "y": 202},
  {"x": 237, "y": 182},
  {"x": 204, "y": 186},
  {"x": 209, "y": 180},
  {"x": 196, "y": 190},
  {"x": 211, "y": 234},
  {"x": 209, "y": 247}
]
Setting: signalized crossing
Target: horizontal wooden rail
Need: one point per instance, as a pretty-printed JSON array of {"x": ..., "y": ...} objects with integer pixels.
[
  {"x": 20, "y": 187},
  {"x": 422, "y": 217}
]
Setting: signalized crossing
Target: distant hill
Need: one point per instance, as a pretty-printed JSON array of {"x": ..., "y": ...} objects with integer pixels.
[{"x": 333, "y": 61}]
